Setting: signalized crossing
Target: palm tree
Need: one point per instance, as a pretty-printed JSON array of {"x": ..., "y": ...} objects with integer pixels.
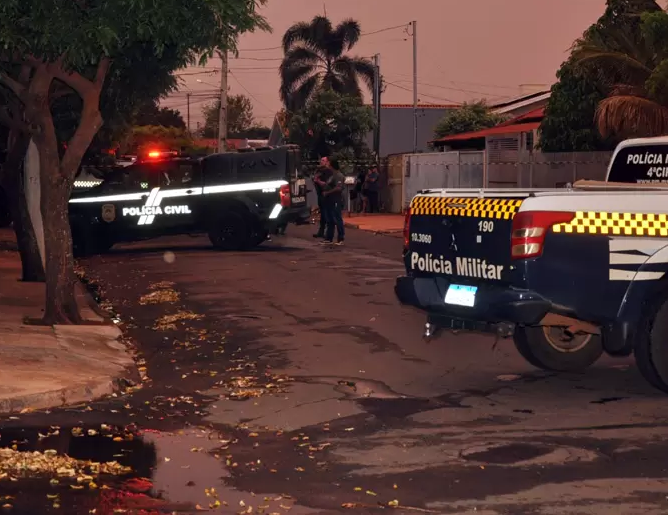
[
  {"x": 630, "y": 64},
  {"x": 315, "y": 58}
]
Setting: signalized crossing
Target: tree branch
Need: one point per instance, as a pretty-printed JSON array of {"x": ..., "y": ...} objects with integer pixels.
[
  {"x": 78, "y": 82},
  {"x": 13, "y": 85},
  {"x": 13, "y": 123}
]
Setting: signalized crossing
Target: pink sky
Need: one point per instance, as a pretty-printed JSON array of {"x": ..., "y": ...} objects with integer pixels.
[{"x": 467, "y": 49}]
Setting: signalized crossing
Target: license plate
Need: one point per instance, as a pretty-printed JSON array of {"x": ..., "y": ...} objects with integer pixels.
[
  {"x": 298, "y": 200},
  {"x": 461, "y": 295}
]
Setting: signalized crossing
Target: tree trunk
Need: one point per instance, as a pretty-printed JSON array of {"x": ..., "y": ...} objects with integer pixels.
[
  {"x": 61, "y": 305},
  {"x": 13, "y": 183}
]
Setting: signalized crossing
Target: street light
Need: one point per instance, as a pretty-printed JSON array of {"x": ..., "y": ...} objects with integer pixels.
[{"x": 207, "y": 83}]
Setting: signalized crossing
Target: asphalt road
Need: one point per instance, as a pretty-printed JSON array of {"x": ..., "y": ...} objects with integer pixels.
[{"x": 300, "y": 386}]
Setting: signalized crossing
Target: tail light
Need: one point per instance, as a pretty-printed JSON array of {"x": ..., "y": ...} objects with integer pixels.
[
  {"x": 285, "y": 195},
  {"x": 407, "y": 223},
  {"x": 530, "y": 229}
]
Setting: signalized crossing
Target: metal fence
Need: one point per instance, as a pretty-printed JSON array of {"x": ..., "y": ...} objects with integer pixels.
[{"x": 479, "y": 169}]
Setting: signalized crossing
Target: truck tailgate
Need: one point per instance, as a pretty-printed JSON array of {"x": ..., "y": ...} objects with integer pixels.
[{"x": 465, "y": 240}]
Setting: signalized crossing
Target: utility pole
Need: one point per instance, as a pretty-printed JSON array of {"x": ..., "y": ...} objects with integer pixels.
[
  {"x": 376, "y": 103},
  {"x": 415, "y": 91},
  {"x": 222, "y": 113},
  {"x": 188, "y": 111}
]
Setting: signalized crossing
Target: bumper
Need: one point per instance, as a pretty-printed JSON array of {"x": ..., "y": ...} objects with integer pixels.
[{"x": 493, "y": 304}]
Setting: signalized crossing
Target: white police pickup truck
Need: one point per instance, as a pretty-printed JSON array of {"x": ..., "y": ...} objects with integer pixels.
[{"x": 570, "y": 273}]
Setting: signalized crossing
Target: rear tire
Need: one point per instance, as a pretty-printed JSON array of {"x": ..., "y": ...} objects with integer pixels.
[
  {"x": 651, "y": 348},
  {"x": 546, "y": 348},
  {"x": 232, "y": 232}
]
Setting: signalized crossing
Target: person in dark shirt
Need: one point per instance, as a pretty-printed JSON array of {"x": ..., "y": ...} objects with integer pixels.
[
  {"x": 371, "y": 186},
  {"x": 322, "y": 175},
  {"x": 332, "y": 196}
]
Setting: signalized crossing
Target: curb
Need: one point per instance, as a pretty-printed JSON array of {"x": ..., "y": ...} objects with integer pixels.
[{"x": 85, "y": 392}]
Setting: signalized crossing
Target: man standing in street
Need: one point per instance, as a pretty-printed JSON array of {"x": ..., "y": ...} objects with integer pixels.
[
  {"x": 322, "y": 175},
  {"x": 332, "y": 199}
]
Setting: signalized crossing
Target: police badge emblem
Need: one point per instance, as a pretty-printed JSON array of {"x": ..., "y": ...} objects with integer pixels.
[{"x": 108, "y": 212}]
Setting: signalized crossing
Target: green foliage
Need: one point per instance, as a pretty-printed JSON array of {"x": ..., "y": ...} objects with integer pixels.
[
  {"x": 315, "y": 59},
  {"x": 240, "y": 120},
  {"x": 82, "y": 31},
  {"x": 151, "y": 114},
  {"x": 568, "y": 125},
  {"x": 608, "y": 61},
  {"x": 473, "y": 116},
  {"x": 332, "y": 124},
  {"x": 158, "y": 137}
]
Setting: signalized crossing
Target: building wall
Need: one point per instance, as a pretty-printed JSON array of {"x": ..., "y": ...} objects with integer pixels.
[{"x": 396, "y": 129}]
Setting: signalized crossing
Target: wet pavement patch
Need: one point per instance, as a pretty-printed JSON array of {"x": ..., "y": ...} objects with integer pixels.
[{"x": 506, "y": 454}]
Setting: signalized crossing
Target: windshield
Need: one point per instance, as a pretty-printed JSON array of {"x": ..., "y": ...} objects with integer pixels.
[{"x": 640, "y": 164}]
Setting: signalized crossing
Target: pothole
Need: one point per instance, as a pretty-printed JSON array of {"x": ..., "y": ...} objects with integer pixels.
[
  {"x": 354, "y": 388},
  {"x": 525, "y": 454},
  {"x": 508, "y": 454}
]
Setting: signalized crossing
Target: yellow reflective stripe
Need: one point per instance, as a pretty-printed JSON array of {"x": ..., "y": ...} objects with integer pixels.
[
  {"x": 616, "y": 224},
  {"x": 469, "y": 207}
]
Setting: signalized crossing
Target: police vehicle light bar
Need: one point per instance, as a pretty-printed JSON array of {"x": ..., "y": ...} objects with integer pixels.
[{"x": 529, "y": 231}]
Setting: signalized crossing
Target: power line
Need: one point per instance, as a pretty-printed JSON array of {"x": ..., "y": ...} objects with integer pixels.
[
  {"x": 486, "y": 93},
  {"x": 422, "y": 94},
  {"x": 364, "y": 34},
  {"x": 249, "y": 93},
  {"x": 185, "y": 104},
  {"x": 493, "y": 86},
  {"x": 258, "y": 58},
  {"x": 404, "y": 26}
]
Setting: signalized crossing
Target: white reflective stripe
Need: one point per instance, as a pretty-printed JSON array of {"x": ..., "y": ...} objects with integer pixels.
[
  {"x": 648, "y": 276},
  {"x": 275, "y": 212},
  {"x": 617, "y": 258},
  {"x": 108, "y": 198},
  {"x": 630, "y": 275},
  {"x": 207, "y": 190},
  {"x": 646, "y": 245},
  {"x": 621, "y": 275},
  {"x": 251, "y": 186},
  {"x": 144, "y": 219}
]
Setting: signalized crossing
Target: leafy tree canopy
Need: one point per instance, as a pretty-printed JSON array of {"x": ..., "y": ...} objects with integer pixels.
[
  {"x": 151, "y": 114},
  {"x": 589, "y": 76},
  {"x": 473, "y": 116},
  {"x": 73, "y": 44},
  {"x": 240, "y": 120},
  {"x": 332, "y": 124},
  {"x": 315, "y": 59}
]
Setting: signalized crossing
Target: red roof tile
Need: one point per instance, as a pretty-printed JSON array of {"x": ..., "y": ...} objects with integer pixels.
[{"x": 499, "y": 129}]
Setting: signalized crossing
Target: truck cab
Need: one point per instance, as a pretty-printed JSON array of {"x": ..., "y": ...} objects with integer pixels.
[{"x": 235, "y": 198}]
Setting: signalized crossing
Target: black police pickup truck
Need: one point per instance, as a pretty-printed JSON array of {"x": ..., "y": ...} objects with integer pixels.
[
  {"x": 570, "y": 273},
  {"x": 238, "y": 199}
]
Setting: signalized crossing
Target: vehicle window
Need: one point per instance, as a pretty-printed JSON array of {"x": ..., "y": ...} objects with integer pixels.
[
  {"x": 142, "y": 176},
  {"x": 640, "y": 164},
  {"x": 178, "y": 174}
]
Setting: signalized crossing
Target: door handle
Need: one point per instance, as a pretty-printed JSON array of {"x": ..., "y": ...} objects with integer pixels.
[{"x": 189, "y": 192}]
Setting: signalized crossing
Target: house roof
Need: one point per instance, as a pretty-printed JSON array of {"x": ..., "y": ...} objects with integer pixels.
[
  {"x": 499, "y": 129},
  {"x": 523, "y": 123},
  {"x": 517, "y": 103},
  {"x": 420, "y": 106},
  {"x": 536, "y": 115}
]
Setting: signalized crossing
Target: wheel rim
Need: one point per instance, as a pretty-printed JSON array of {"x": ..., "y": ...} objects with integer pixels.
[
  {"x": 229, "y": 233},
  {"x": 560, "y": 341}
]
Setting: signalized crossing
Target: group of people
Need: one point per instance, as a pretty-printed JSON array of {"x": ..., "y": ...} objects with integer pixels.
[
  {"x": 329, "y": 186},
  {"x": 365, "y": 193}
]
